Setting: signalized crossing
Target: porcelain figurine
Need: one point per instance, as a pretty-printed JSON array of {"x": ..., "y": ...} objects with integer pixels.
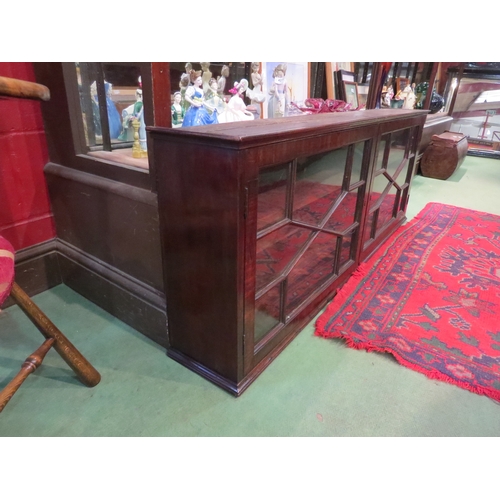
[
  {"x": 410, "y": 98},
  {"x": 133, "y": 122},
  {"x": 115, "y": 123},
  {"x": 114, "y": 120},
  {"x": 221, "y": 80},
  {"x": 188, "y": 69},
  {"x": 197, "y": 114},
  {"x": 139, "y": 115},
  {"x": 236, "y": 109},
  {"x": 177, "y": 110},
  {"x": 183, "y": 85},
  {"x": 389, "y": 95},
  {"x": 206, "y": 75},
  {"x": 128, "y": 115},
  {"x": 279, "y": 100},
  {"x": 213, "y": 101},
  {"x": 256, "y": 95}
]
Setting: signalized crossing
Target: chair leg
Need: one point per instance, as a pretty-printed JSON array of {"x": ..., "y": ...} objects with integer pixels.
[
  {"x": 28, "y": 367},
  {"x": 85, "y": 372}
]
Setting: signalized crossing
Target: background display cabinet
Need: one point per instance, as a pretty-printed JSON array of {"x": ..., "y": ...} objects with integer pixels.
[
  {"x": 102, "y": 195},
  {"x": 379, "y": 80},
  {"x": 261, "y": 222}
]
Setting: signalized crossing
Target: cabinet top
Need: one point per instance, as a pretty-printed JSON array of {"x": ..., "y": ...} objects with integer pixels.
[{"x": 249, "y": 133}]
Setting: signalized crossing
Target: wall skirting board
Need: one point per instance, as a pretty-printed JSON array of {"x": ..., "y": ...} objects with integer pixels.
[
  {"x": 37, "y": 268},
  {"x": 137, "y": 304}
]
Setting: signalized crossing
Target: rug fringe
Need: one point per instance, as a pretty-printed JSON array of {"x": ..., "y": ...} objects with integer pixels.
[
  {"x": 340, "y": 297},
  {"x": 431, "y": 374}
]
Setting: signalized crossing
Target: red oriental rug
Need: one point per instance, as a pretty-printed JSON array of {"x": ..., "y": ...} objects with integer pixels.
[{"x": 431, "y": 297}]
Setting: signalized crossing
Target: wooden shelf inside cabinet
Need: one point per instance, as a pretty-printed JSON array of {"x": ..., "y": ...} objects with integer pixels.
[{"x": 261, "y": 222}]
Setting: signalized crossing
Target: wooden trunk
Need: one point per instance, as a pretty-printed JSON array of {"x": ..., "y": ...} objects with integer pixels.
[{"x": 444, "y": 155}]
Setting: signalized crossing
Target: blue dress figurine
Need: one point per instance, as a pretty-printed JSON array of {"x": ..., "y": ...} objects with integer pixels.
[
  {"x": 114, "y": 119},
  {"x": 197, "y": 114},
  {"x": 115, "y": 122}
]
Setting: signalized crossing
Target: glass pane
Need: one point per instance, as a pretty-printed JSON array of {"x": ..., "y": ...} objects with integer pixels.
[
  {"x": 313, "y": 268},
  {"x": 387, "y": 208},
  {"x": 312, "y": 202},
  {"x": 393, "y": 148},
  {"x": 87, "y": 90},
  {"x": 120, "y": 86},
  {"x": 277, "y": 249},
  {"x": 398, "y": 154},
  {"x": 267, "y": 312},
  {"x": 392, "y": 166},
  {"x": 368, "y": 227},
  {"x": 383, "y": 152},
  {"x": 383, "y": 202},
  {"x": 345, "y": 252},
  {"x": 357, "y": 162},
  {"x": 380, "y": 183},
  {"x": 344, "y": 215},
  {"x": 324, "y": 168},
  {"x": 318, "y": 185},
  {"x": 476, "y": 113},
  {"x": 271, "y": 201},
  {"x": 125, "y": 102}
]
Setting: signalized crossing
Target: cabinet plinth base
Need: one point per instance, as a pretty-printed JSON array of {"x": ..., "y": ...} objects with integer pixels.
[
  {"x": 236, "y": 389},
  {"x": 219, "y": 380}
]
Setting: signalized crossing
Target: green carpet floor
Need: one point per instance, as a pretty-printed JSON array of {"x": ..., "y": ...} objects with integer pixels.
[{"x": 316, "y": 387}]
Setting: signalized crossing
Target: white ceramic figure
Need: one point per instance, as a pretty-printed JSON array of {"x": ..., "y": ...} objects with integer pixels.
[
  {"x": 189, "y": 70},
  {"x": 212, "y": 100},
  {"x": 279, "y": 100},
  {"x": 206, "y": 75},
  {"x": 221, "y": 80},
  {"x": 410, "y": 99},
  {"x": 236, "y": 109},
  {"x": 255, "y": 94},
  {"x": 388, "y": 97}
]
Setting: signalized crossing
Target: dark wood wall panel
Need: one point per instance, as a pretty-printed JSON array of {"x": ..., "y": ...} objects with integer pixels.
[{"x": 114, "y": 222}]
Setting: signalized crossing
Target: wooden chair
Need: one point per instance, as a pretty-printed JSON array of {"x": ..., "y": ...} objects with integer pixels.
[{"x": 85, "y": 372}]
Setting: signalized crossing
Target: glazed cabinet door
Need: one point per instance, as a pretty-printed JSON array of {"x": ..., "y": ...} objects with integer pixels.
[
  {"x": 304, "y": 238},
  {"x": 393, "y": 170}
]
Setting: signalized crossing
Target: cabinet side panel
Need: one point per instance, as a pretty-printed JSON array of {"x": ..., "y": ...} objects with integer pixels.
[{"x": 199, "y": 212}]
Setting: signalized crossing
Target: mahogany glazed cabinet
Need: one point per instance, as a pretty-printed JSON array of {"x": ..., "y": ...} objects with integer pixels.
[{"x": 261, "y": 222}]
